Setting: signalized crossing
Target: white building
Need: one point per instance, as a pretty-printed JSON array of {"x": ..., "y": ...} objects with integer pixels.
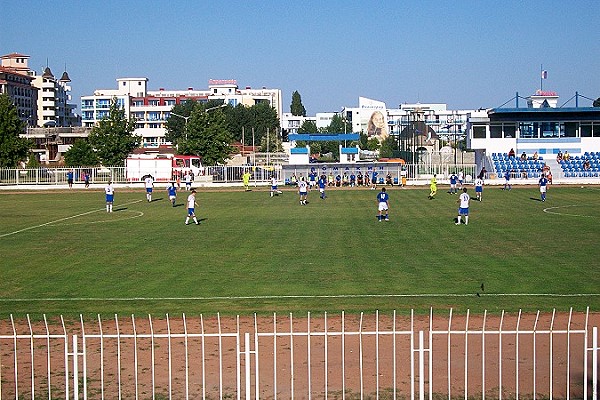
[{"x": 152, "y": 108}]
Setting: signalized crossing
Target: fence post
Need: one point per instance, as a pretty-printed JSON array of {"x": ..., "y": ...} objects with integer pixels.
[
  {"x": 595, "y": 363},
  {"x": 247, "y": 362},
  {"x": 75, "y": 369},
  {"x": 421, "y": 367}
]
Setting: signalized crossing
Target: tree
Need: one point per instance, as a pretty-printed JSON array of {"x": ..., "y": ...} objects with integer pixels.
[
  {"x": 13, "y": 148},
  {"x": 176, "y": 123},
  {"x": 338, "y": 125},
  {"x": 273, "y": 144},
  {"x": 596, "y": 102},
  {"x": 388, "y": 147},
  {"x": 81, "y": 154},
  {"x": 113, "y": 137},
  {"x": 296, "y": 108},
  {"x": 206, "y": 135}
]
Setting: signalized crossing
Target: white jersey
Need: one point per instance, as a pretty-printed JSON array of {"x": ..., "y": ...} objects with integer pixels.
[
  {"x": 191, "y": 201},
  {"x": 460, "y": 176},
  {"x": 302, "y": 188},
  {"x": 109, "y": 189},
  {"x": 464, "y": 200},
  {"x": 479, "y": 182},
  {"x": 149, "y": 182}
]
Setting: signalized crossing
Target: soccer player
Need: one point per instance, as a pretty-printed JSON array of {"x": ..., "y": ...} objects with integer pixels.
[
  {"x": 246, "y": 180},
  {"x": 453, "y": 180},
  {"x": 383, "y": 205},
  {"x": 461, "y": 179},
  {"x": 432, "y": 187},
  {"x": 191, "y": 205},
  {"x": 479, "y": 188},
  {"x": 507, "y": 185},
  {"x": 274, "y": 190},
  {"x": 374, "y": 180},
  {"x": 312, "y": 178},
  {"x": 322, "y": 184},
  {"x": 543, "y": 183},
  {"x": 302, "y": 191},
  {"x": 188, "y": 180},
  {"x": 149, "y": 183},
  {"x": 463, "y": 208},
  {"x": 110, "y": 196},
  {"x": 172, "y": 191},
  {"x": 70, "y": 179}
]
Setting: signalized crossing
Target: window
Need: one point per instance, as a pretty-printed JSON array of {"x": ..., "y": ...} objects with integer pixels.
[
  {"x": 496, "y": 131},
  {"x": 586, "y": 130},
  {"x": 154, "y": 102},
  {"x": 479, "y": 132},
  {"x": 510, "y": 130},
  {"x": 570, "y": 129}
]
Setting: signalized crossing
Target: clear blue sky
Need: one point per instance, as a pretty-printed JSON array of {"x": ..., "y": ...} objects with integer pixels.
[{"x": 468, "y": 54}]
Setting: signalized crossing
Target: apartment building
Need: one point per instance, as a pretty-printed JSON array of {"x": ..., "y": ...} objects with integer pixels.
[{"x": 152, "y": 108}]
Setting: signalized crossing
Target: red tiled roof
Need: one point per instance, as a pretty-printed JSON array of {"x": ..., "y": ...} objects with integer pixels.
[
  {"x": 14, "y": 71},
  {"x": 14, "y": 55}
]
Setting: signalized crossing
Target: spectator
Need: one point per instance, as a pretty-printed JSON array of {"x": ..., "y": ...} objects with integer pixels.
[
  {"x": 523, "y": 156},
  {"x": 559, "y": 156},
  {"x": 535, "y": 156},
  {"x": 566, "y": 156},
  {"x": 511, "y": 153},
  {"x": 482, "y": 173},
  {"x": 388, "y": 179}
]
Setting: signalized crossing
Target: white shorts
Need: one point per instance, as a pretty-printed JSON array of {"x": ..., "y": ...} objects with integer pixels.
[
  {"x": 542, "y": 189},
  {"x": 383, "y": 206}
]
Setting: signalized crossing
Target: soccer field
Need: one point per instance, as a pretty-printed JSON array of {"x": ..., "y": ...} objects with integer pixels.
[{"x": 63, "y": 254}]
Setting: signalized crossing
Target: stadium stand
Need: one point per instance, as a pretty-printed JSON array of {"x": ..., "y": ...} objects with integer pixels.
[
  {"x": 529, "y": 168},
  {"x": 586, "y": 166}
]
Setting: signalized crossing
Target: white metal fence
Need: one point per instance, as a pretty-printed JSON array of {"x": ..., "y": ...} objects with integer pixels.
[
  {"x": 552, "y": 355},
  {"x": 233, "y": 174}
]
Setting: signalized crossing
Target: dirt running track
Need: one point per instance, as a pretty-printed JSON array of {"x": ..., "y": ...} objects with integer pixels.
[{"x": 119, "y": 360}]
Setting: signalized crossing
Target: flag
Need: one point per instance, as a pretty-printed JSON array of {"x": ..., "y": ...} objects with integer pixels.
[{"x": 544, "y": 74}]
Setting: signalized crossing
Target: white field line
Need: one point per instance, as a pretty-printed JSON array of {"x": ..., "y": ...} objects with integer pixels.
[
  {"x": 61, "y": 220},
  {"x": 549, "y": 211},
  {"x": 341, "y": 296}
]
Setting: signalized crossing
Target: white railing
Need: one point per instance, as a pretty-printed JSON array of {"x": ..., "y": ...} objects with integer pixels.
[{"x": 553, "y": 355}]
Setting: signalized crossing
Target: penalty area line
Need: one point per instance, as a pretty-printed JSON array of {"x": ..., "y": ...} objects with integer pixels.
[
  {"x": 60, "y": 220},
  {"x": 341, "y": 296}
]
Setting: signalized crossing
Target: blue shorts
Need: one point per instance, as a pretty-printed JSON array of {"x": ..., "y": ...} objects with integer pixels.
[
  {"x": 110, "y": 198},
  {"x": 478, "y": 189},
  {"x": 148, "y": 190},
  {"x": 274, "y": 187},
  {"x": 190, "y": 212},
  {"x": 463, "y": 211}
]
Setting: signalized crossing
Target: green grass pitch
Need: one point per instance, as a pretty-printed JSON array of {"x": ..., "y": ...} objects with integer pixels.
[{"x": 63, "y": 254}]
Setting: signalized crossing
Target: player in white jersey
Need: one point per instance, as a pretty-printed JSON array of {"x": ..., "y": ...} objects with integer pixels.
[
  {"x": 274, "y": 188},
  {"x": 191, "y": 205},
  {"x": 463, "y": 208},
  {"x": 479, "y": 188},
  {"x": 149, "y": 183},
  {"x": 302, "y": 191},
  {"x": 110, "y": 196}
]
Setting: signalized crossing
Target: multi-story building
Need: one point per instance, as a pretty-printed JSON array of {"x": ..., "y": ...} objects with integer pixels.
[
  {"x": 42, "y": 100},
  {"x": 16, "y": 82},
  {"x": 53, "y": 104},
  {"x": 151, "y": 109}
]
